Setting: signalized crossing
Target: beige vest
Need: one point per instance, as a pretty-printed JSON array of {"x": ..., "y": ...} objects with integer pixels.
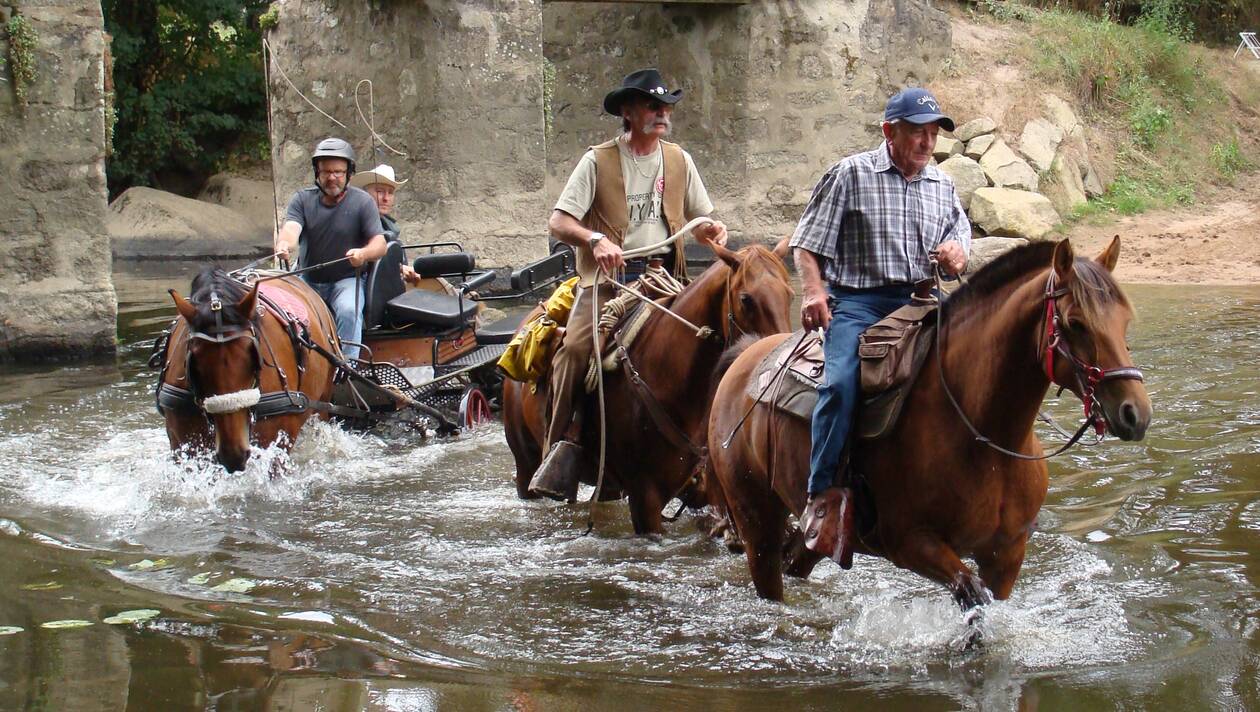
[{"x": 609, "y": 214}]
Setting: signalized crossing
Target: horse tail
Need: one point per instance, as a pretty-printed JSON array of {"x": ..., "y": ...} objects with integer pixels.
[{"x": 730, "y": 354}]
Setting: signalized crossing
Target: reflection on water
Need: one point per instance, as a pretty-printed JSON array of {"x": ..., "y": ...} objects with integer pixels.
[{"x": 386, "y": 573}]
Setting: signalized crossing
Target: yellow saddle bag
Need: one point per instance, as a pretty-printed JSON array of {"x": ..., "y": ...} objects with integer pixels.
[{"x": 528, "y": 354}]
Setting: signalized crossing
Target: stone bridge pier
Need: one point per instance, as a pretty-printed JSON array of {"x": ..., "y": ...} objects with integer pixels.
[{"x": 56, "y": 294}]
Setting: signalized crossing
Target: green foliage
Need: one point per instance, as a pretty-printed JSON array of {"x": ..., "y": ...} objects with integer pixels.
[
  {"x": 188, "y": 85},
  {"x": 22, "y": 39},
  {"x": 269, "y": 19},
  {"x": 1229, "y": 160},
  {"x": 1148, "y": 121},
  {"x": 1214, "y": 21}
]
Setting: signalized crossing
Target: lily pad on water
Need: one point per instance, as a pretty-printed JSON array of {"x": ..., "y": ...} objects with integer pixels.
[
  {"x": 45, "y": 586},
  {"x": 10, "y": 629},
  {"x": 68, "y": 623},
  {"x": 136, "y": 616},
  {"x": 146, "y": 564},
  {"x": 236, "y": 585},
  {"x": 200, "y": 579}
]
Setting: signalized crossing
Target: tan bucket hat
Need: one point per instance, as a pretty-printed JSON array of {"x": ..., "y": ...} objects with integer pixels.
[{"x": 381, "y": 174}]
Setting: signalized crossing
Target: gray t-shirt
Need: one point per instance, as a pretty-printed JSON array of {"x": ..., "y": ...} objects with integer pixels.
[{"x": 328, "y": 232}]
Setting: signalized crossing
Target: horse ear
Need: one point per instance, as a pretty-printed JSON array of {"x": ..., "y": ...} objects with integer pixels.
[
  {"x": 1108, "y": 257},
  {"x": 1064, "y": 259},
  {"x": 732, "y": 259},
  {"x": 183, "y": 306},
  {"x": 245, "y": 307},
  {"x": 782, "y": 250}
]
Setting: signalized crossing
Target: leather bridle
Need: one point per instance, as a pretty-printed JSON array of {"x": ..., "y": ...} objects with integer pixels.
[{"x": 1088, "y": 376}]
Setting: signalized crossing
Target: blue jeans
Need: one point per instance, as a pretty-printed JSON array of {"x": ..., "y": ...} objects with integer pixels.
[
  {"x": 341, "y": 296},
  {"x": 852, "y": 311}
]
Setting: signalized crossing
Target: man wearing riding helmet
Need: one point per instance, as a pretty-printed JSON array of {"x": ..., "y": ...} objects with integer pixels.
[{"x": 332, "y": 220}]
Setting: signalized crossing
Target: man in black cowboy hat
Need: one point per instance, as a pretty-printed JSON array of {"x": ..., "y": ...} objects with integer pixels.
[{"x": 630, "y": 192}]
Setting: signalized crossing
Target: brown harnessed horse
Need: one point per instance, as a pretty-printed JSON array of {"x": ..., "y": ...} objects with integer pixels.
[
  {"x": 657, "y": 402},
  {"x": 962, "y": 471},
  {"x": 236, "y": 367}
]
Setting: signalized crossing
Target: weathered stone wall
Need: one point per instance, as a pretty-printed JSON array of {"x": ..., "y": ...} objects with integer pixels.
[
  {"x": 458, "y": 87},
  {"x": 495, "y": 101},
  {"x": 56, "y": 294},
  {"x": 774, "y": 91}
]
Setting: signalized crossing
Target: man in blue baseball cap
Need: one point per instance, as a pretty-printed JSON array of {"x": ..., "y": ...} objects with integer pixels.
[{"x": 867, "y": 236}]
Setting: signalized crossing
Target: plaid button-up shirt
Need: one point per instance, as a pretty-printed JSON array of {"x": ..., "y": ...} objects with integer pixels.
[{"x": 873, "y": 228}]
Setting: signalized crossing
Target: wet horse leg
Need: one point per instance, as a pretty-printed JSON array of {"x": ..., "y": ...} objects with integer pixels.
[
  {"x": 646, "y": 502},
  {"x": 927, "y": 555},
  {"x": 1000, "y": 568}
]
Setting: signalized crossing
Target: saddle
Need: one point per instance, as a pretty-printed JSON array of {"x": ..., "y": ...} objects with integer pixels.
[{"x": 892, "y": 352}]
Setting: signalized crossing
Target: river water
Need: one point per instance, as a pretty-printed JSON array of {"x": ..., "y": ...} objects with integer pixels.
[{"x": 387, "y": 573}]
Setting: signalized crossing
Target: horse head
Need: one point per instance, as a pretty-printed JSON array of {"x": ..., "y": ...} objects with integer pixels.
[
  {"x": 223, "y": 359},
  {"x": 1088, "y": 336},
  {"x": 758, "y": 297}
]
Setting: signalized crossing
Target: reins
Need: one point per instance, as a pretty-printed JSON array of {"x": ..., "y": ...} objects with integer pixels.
[{"x": 1092, "y": 375}]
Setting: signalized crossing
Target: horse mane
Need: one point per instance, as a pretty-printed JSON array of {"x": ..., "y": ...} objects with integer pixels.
[
  {"x": 214, "y": 280},
  {"x": 763, "y": 254},
  {"x": 1092, "y": 289}
]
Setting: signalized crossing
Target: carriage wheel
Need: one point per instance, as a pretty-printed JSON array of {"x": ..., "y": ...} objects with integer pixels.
[{"x": 474, "y": 409}]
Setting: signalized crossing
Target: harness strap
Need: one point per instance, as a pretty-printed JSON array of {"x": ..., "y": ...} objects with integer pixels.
[{"x": 664, "y": 423}]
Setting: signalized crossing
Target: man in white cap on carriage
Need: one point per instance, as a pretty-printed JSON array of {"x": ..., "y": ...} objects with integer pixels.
[
  {"x": 381, "y": 183},
  {"x": 629, "y": 192}
]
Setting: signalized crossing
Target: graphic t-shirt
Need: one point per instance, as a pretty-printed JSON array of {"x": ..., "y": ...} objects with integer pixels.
[{"x": 644, "y": 178}]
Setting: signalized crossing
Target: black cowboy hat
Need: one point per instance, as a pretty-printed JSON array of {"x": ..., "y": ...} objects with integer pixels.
[{"x": 647, "y": 82}]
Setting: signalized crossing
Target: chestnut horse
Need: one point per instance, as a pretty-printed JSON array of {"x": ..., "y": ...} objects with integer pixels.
[
  {"x": 937, "y": 491},
  {"x": 744, "y": 292},
  {"x": 235, "y": 371}
]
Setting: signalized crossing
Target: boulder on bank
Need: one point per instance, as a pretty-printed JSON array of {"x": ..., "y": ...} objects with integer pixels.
[
  {"x": 148, "y": 223},
  {"x": 946, "y": 147},
  {"x": 252, "y": 198},
  {"x": 1005, "y": 212},
  {"x": 986, "y": 249},
  {"x": 1064, "y": 186},
  {"x": 967, "y": 175},
  {"x": 977, "y": 146},
  {"x": 975, "y": 127},
  {"x": 1007, "y": 170},
  {"x": 1039, "y": 142}
]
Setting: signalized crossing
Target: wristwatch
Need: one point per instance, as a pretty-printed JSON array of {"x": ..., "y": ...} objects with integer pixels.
[{"x": 594, "y": 239}]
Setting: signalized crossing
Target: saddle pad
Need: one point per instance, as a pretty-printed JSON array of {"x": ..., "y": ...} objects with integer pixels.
[
  {"x": 793, "y": 387},
  {"x": 293, "y": 306},
  {"x": 790, "y": 387}
]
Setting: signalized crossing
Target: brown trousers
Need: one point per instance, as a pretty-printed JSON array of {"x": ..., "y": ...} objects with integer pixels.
[{"x": 572, "y": 359}]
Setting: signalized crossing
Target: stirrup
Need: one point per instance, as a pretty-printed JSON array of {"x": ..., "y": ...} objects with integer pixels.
[
  {"x": 827, "y": 524},
  {"x": 557, "y": 476}
]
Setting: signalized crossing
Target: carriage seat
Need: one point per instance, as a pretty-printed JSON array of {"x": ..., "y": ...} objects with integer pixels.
[
  {"x": 501, "y": 331},
  {"x": 432, "y": 309}
]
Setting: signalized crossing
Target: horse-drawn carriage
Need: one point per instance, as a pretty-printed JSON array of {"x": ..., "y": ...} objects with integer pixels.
[{"x": 253, "y": 352}]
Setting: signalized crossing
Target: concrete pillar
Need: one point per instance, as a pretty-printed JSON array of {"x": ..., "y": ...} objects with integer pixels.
[{"x": 56, "y": 294}]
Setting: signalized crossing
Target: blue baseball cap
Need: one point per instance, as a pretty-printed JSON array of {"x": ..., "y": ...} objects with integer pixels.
[{"x": 917, "y": 106}]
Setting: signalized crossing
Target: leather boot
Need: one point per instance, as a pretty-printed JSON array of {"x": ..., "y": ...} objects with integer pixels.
[
  {"x": 557, "y": 476},
  {"x": 828, "y": 525}
]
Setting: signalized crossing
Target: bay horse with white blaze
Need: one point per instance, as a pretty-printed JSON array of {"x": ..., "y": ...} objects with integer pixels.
[
  {"x": 237, "y": 365},
  {"x": 651, "y": 456},
  {"x": 1035, "y": 316}
]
